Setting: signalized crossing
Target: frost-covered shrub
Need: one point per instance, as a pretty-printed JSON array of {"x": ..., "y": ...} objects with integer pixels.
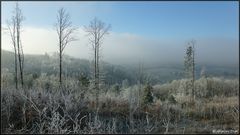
[
  {"x": 131, "y": 93},
  {"x": 161, "y": 92},
  {"x": 115, "y": 88},
  {"x": 71, "y": 85},
  {"x": 171, "y": 99},
  {"x": 46, "y": 82},
  {"x": 182, "y": 89},
  {"x": 7, "y": 79},
  {"x": 220, "y": 86},
  {"x": 204, "y": 87},
  {"x": 201, "y": 87}
]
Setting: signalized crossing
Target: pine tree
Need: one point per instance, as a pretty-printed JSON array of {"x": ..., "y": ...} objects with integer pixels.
[
  {"x": 147, "y": 97},
  {"x": 84, "y": 81},
  {"x": 189, "y": 64}
]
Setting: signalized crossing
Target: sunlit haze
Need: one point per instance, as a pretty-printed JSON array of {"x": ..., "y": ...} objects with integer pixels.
[{"x": 149, "y": 31}]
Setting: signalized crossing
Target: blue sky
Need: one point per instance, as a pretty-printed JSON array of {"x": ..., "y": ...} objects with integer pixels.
[
  {"x": 154, "y": 31},
  {"x": 168, "y": 19}
]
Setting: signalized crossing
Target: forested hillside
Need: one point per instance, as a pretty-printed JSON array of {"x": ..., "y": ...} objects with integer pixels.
[{"x": 113, "y": 74}]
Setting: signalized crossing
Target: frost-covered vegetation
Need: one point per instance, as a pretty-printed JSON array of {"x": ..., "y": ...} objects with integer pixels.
[{"x": 165, "y": 108}]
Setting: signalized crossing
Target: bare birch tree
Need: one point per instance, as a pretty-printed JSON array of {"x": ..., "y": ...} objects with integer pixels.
[
  {"x": 65, "y": 32},
  {"x": 19, "y": 18},
  {"x": 14, "y": 28},
  {"x": 96, "y": 32}
]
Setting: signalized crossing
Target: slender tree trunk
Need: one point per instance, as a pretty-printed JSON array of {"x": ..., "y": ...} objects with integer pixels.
[
  {"x": 16, "y": 71},
  {"x": 60, "y": 68},
  {"x": 20, "y": 67},
  {"x": 97, "y": 70},
  {"x": 193, "y": 74},
  {"x": 22, "y": 58},
  {"x": 19, "y": 51},
  {"x": 60, "y": 56},
  {"x": 64, "y": 30},
  {"x": 15, "y": 53},
  {"x": 22, "y": 61},
  {"x": 97, "y": 46}
]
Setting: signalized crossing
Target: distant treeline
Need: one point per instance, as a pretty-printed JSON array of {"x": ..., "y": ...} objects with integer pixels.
[{"x": 113, "y": 74}]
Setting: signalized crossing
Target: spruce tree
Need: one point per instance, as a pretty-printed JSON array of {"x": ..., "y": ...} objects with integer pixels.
[{"x": 147, "y": 97}]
